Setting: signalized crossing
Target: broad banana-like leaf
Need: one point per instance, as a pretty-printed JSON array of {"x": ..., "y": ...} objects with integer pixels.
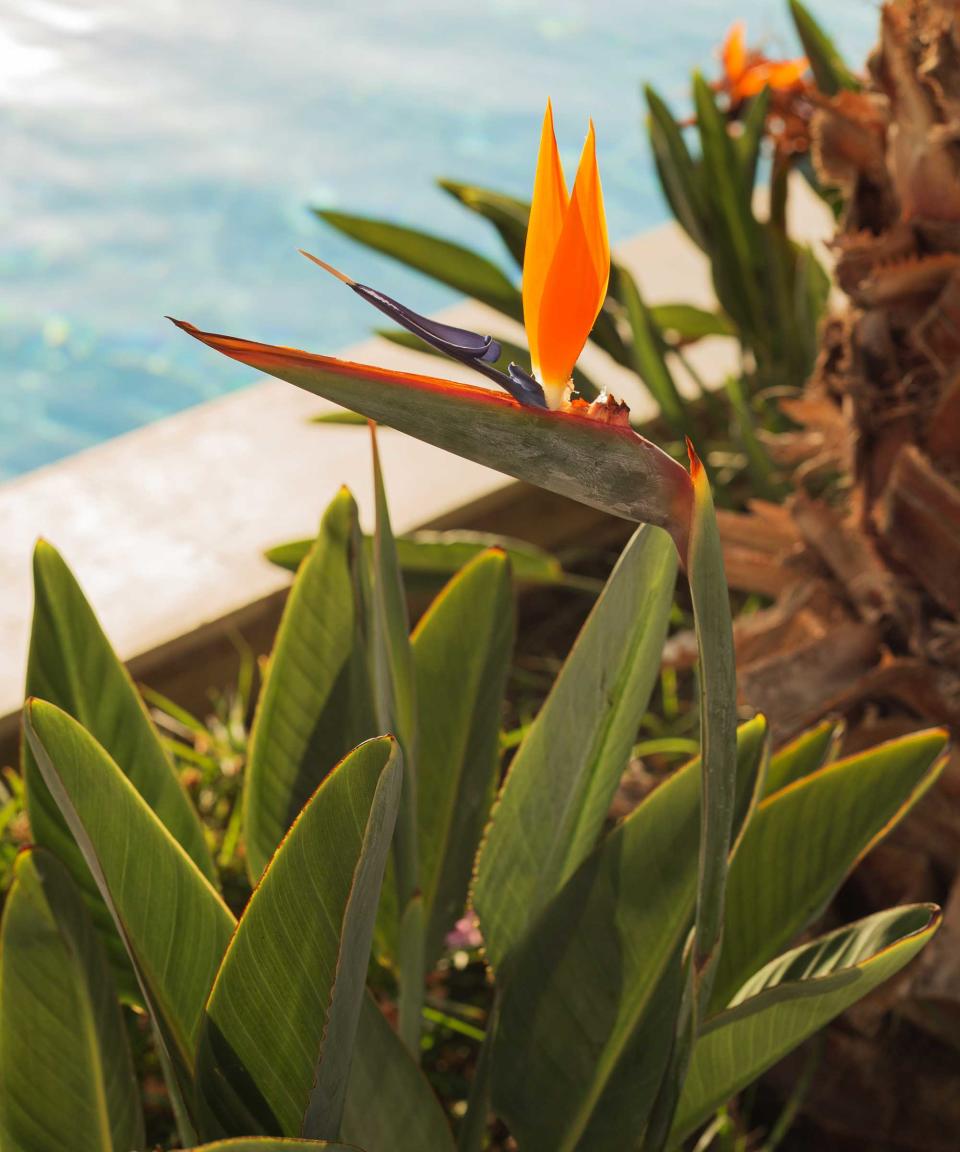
[
  {"x": 461, "y": 656},
  {"x": 442, "y": 554},
  {"x": 73, "y": 665},
  {"x": 66, "y": 1075},
  {"x": 808, "y": 752},
  {"x": 315, "y": 704},
  {"x": 793, "y": 997},
  {"x": 804, "y": 840},
  {"x": 558, "y": 790},
  {"x": 279, "y": 1027},
  {"x": 171, "y": 920},
  {"x": 442, "y": 260},
  {"x": 265, "y": 1144},
  {"x": 390, "y": 1104},
  {"x": 603, "y": 465},
  {"x": 589, "y": 1010}
]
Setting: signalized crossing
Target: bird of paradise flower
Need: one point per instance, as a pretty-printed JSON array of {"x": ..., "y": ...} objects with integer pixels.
[{"x": 541, "y": 432}]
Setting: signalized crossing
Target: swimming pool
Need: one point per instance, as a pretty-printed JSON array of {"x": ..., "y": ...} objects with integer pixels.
[{"x": 160, "y": 157}]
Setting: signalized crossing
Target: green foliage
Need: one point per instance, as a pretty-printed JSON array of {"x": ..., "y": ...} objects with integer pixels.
[
  {"x": 65, "y": 1064},
  {"x": 314, "y": 703},
  {"x": 600, "y": 1023},
  {"x": 432, "y": 556},
  {"x": 831, "y": 73},
  {"x": 562, "y": 779},
  {"x": 793, "y": 997},
  {"x": 642, "y": 974},
  {"x": 279, "y": 1064}
]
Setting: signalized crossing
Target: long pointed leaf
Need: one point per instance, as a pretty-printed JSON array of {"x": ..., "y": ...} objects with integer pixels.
[
  {"x": 390, "y": 1105},
  {"x": 558, "y": 790},
  {"x": 281, "y": 1019},
  {"x": 315, "y": 704},
  {"x": 461, "y": 653},
  {"x": 442, "y": 554},
  {"x": 607, "y": 467},
  {"x": 830, "y": 72},
  {"x": 450, "y": 263},
  {"x": 588, "y": 1012},
  {"x": 507, "y": 214},
  {"x": 793, "y": 997},
  {"x": 73, "y": 665},
  {"x": 173, "y": 923},
  {"x": 66, "y": 1075},
  {"x": 680, "y": 178},
  {"x": 805, "y": 839},
  {"x": 808, "y": 752}
]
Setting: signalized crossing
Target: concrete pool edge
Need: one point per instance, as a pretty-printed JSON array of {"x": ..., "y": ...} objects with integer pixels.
[{"x": 165, "y": 527}]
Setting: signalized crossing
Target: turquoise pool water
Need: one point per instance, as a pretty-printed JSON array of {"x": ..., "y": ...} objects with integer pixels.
[{"x": 159, "y": 156}]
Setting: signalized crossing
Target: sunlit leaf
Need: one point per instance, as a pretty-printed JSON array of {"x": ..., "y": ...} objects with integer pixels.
[
  {"x": 280, "y": 1023},
  {"x": 561, "y": 781},
  {"x": 65, "y": 1067},
  {"x": 793, "y": 997}
]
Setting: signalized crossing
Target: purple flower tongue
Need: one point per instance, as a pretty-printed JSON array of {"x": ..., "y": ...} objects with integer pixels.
[
  {"x": 457, "y": 342},
  {"x": 479, "y": 352}
]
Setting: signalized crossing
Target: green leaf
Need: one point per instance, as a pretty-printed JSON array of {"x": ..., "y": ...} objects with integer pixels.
[
  {"x": 72, "y": 664},
  {"x": 264, "y": 1144},
  {"x": 558, "y": 790},
  {"x": 281, "y": 1019},
  {"x": 173, "y": 923},
  {"x": 589, "y": 1008},
  {"x": 805, "y": 839},
  {"x": 718, "y": 719},
  {"x": 507, "y": 214},
  {"x": 721, "y": 805},
  {"x": 830, "y": 72},
  {"x": 602, "y": 465},
  {"x": 680, "y": 178},
  {"x": 737, "y": 253},
  {"x": 315, "y": 704},
  {"x": 451, "y": 264},
  {"x": 443, "y": 554},
  {"x": 649, "y": 355},
  {"x": 793, "y": 997},
  {"x": 390, "y": 1105},
  {"x": 396, "y": 709},
  {"x": 750, "y": 140},
  {"x": 683, "y": 323},
  {"x": 461, "y": 653},
  {"x": 66, "y": 1076},
  {"x": 808, "y": 752}
]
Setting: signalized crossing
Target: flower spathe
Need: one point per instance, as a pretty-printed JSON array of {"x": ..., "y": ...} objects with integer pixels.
[{"x": 566, "y": 264}]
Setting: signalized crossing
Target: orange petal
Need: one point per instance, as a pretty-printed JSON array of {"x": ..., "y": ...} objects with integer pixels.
[
  {"x": 734, "y": 51},
  {"x": 786, "y": 74},
  {"x": 547, "y": 211},
  {"x": 577, "y": 281}
]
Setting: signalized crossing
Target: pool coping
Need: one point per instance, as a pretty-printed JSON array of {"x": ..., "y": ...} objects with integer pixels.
[{"x": 165, "y": 527}]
